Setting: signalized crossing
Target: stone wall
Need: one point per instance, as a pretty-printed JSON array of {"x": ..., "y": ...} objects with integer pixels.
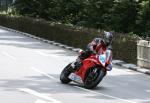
[{"x": 143, "y": 53}]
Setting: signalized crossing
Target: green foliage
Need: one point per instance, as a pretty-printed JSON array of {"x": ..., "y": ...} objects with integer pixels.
[
  {"x": 124, "y": 14},
  {"x": 143, "y": 21},
  {"x": 4, "y": 5},
  {"x": 117, "y": 15},
  {"x": 54, "y": 10},
  {"x": 97, "y": 13}
]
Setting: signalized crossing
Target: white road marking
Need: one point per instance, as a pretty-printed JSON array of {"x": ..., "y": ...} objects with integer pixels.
[
  {"x": 35, "y": 93},
  {"x": 45, "y": 74},
  {"x": 8, "y": 55},
  {"x": 45, "y": 54},
  {"x": 51, "y": 77},
  {"x": 148, "y": 91},
  {"x": 41, "y": 101}
]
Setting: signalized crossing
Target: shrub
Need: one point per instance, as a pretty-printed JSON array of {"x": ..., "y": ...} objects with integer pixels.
[{"x": 124, "y": 45}]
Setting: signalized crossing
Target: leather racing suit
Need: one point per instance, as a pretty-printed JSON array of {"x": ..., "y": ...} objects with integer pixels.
[{"x": 96, "y": 46}]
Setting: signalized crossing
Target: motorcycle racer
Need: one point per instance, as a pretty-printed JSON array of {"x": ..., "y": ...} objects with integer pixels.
[{"x": 97, "y": 46}]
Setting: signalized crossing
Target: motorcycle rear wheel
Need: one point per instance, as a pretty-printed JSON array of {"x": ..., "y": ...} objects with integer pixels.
[
  {"x": 65, "y": 73},
  {"x": 93, "y": 77}
]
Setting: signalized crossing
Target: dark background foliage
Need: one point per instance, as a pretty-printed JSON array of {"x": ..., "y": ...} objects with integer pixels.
[{"x": 116, "y": 15}]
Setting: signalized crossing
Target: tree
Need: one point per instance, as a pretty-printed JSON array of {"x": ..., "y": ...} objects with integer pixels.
[
  {"x": 143, "y": 21},
  {"x": 97, "y": 13},
  {"x": 124, "y": 15},
  {"x": 118, "y": 15}
]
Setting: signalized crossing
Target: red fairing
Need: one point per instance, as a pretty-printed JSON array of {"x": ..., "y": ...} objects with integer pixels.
[{"x": 87, "y": 63}]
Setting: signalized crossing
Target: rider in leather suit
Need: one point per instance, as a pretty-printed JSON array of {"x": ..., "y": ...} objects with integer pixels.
[{"x": 98, "y": 45}]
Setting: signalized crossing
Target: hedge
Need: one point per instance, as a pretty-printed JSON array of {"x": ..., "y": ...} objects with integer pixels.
[{"x": 124, "y": 46}]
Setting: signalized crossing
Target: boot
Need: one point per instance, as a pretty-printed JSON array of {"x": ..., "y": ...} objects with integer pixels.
[{"x": 76, "y": 65}]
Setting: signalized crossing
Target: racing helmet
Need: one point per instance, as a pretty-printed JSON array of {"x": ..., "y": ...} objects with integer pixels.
[{"x": 107, "y": 38}]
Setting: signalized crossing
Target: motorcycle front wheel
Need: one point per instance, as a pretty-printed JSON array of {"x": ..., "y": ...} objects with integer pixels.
[
  {"x": 65, "y": 73},
  {"x": 93, "y": 77}
]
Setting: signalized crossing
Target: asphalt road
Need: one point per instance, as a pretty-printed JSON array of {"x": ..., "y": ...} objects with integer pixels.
[{"x": 29, "y": 73}]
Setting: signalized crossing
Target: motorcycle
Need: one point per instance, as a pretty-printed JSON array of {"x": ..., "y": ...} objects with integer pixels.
[{"x": 90, "y": 73}]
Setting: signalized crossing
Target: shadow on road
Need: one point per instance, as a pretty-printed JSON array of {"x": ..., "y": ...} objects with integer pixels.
[{"x": 128, "y": 87}]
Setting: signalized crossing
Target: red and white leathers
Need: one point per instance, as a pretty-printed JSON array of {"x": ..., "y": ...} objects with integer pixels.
[{"x": 98, "y": 46}]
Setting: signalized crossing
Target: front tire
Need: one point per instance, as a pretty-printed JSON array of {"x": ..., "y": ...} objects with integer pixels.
[
  {"x": 93, "y": 77},
  {"x": 65, "y": 73}
]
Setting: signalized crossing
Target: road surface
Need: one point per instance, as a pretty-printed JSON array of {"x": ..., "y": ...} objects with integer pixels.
[{"x": 29, "y": 73}]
